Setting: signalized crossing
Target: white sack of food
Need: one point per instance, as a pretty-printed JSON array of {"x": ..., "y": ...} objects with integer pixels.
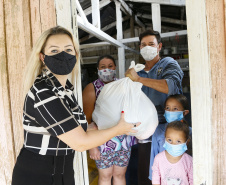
[{"x": 126, "y": 95}]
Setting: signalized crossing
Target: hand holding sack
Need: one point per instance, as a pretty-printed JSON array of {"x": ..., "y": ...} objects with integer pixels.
[{"x": 126, "y": 95}]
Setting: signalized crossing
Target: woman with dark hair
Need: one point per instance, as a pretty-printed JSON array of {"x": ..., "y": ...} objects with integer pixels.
[{"x": 112, "y": 157}]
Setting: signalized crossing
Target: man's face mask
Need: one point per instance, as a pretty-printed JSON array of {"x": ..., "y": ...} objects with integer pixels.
[
  {"x": 61, "y": 63},
  {"x": 149, "y": 53}
]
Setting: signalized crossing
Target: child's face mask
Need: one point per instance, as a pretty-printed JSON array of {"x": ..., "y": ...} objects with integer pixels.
[
  {"x": 175, "y": 150},
  {"x": 173, "y": 116}
]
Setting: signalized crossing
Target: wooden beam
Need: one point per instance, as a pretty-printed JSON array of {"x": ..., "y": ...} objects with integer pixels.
[
  {"x": 156, "y": 17},
  {"x": 86, "y": 60},
  {"x": 92, "y": 45},
  {"x": 167, "y": 28},
  {"x": 100, "y": 34},
  {"x": 121, "y": 50},
  {"x": 174, "y": 33},
  {"x": 63, "y": 13},
  {"x": 101, "y": 5},
  {"x": 164, "y": 19},
  {"x": 130, "y": 12},
  {"x": 104, "y": 29},
  {"x": 81, "y": 12},
  {"x": 163, "y": 35},
  {"x": 164, "y": 2},
  {"x": 96, "y": 13}
]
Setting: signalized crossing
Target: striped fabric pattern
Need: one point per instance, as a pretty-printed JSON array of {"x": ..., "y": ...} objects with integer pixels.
[{"x": 49, "y": 111}]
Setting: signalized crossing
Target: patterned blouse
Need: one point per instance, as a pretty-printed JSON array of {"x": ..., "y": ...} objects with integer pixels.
[{"x": 49, "y": 111}]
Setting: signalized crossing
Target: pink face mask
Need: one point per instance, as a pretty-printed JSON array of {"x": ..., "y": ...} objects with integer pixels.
[{"x": 106, "y": 75}]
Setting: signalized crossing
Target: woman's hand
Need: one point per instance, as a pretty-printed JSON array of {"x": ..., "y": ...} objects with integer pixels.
[
  {"x": 94, "y": 153},
  {"x": 124, "y": 127}
]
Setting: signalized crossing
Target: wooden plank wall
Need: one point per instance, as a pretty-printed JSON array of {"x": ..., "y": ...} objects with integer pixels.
[
  {"x": 21, "y": 23},
  {"x": 215, "y": 11},
  {"x": 207, "y": 59}
]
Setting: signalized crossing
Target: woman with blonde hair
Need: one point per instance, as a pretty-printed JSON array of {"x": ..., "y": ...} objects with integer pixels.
[{"x": 54, "y": 124}]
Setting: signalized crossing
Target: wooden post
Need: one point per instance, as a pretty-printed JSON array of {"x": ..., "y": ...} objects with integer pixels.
[
  {"x": 207, "y": 60},
  {"x": 7, "y": 154},
  {"x": 121, "y": 51},
  {"x": 96, "y": 13},
  {"x": 156, "y": 17},
  {"x": 66, "y": 13}
]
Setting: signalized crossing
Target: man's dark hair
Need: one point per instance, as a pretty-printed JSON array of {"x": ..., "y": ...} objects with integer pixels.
[
  {"x": 180, "y": 126},
  {"x": 180, "y": 98},
  {"x": 150, "y": 32},
  {"x": 105, "y": 56}
]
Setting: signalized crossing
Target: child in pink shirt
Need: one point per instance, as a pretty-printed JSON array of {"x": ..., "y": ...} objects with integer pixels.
[{"x": 173, "y": 166}]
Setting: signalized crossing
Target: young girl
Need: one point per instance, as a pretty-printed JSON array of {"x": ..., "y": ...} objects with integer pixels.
[
  {"x": 176, "y": 107},
  {"x": 173, "y": 166}
]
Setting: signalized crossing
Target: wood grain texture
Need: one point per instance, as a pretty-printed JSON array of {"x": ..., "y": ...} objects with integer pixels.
[
  {"x": 16, "y": 61},
  {"x": 7, "y": 154},
  {"x": 207, "y": 60},
  {"x": 20, "y": 25},
  {"x": 215, "y": 11},
  {"x": 43, "y": 17}
]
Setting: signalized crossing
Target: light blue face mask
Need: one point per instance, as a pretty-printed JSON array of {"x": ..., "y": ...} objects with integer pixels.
[
  {"x": 173, "y": 116},
  {"x": 175, "y": 150}
]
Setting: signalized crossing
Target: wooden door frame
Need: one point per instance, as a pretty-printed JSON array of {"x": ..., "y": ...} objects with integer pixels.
[{"x": 207, "y": 61}]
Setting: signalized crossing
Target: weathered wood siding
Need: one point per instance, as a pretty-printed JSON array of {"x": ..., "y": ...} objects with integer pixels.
[
  {"x": 207, "y": 60},
  {"x": 21, "y": 23}
]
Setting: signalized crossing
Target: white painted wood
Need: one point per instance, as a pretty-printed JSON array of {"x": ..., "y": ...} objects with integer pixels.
[
  {"x": 164, "y": 2},
  {"x": 87, "y": 59},
  {"x": 201, "y": 101},
  {"x": 65, "y": 15},
  {"x": 128, "y": 10},
  {"x": 134, "y": 39},
  {"x": 96, "y": 13},
  {"x": 81, "y": 12},
  {"x": 109, "y": 26},
  {"x": 163, "y": 35},
  {"x": 156, "y": 17},
  {"x": 121, "y": 51},
  {"x": 101, "y": 5},
  {"x": 100, "y": 34},
  {"x": 119, "y": 20},
  {"x": 121, "y": 62},
  {"x": 130, "y": 40},
  {"x": 92, "y": 45},
  {"x": 165, "y": 29},
  {"x": 164, "y": 19},
  {"x": 173, "y": 33}
]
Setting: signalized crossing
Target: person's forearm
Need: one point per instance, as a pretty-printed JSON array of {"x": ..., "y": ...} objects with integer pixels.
[
  {"x": 158, "y": 85},
  {"x": 96, "y": 138},
  {"x": 80, "y": 141}
]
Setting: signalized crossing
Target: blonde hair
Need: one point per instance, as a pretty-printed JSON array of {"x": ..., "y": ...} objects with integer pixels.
[{"x": 34, "y": 66}]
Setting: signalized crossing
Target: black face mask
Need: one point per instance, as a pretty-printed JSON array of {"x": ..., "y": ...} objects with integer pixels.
[{"x": 61, "y": 63}]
